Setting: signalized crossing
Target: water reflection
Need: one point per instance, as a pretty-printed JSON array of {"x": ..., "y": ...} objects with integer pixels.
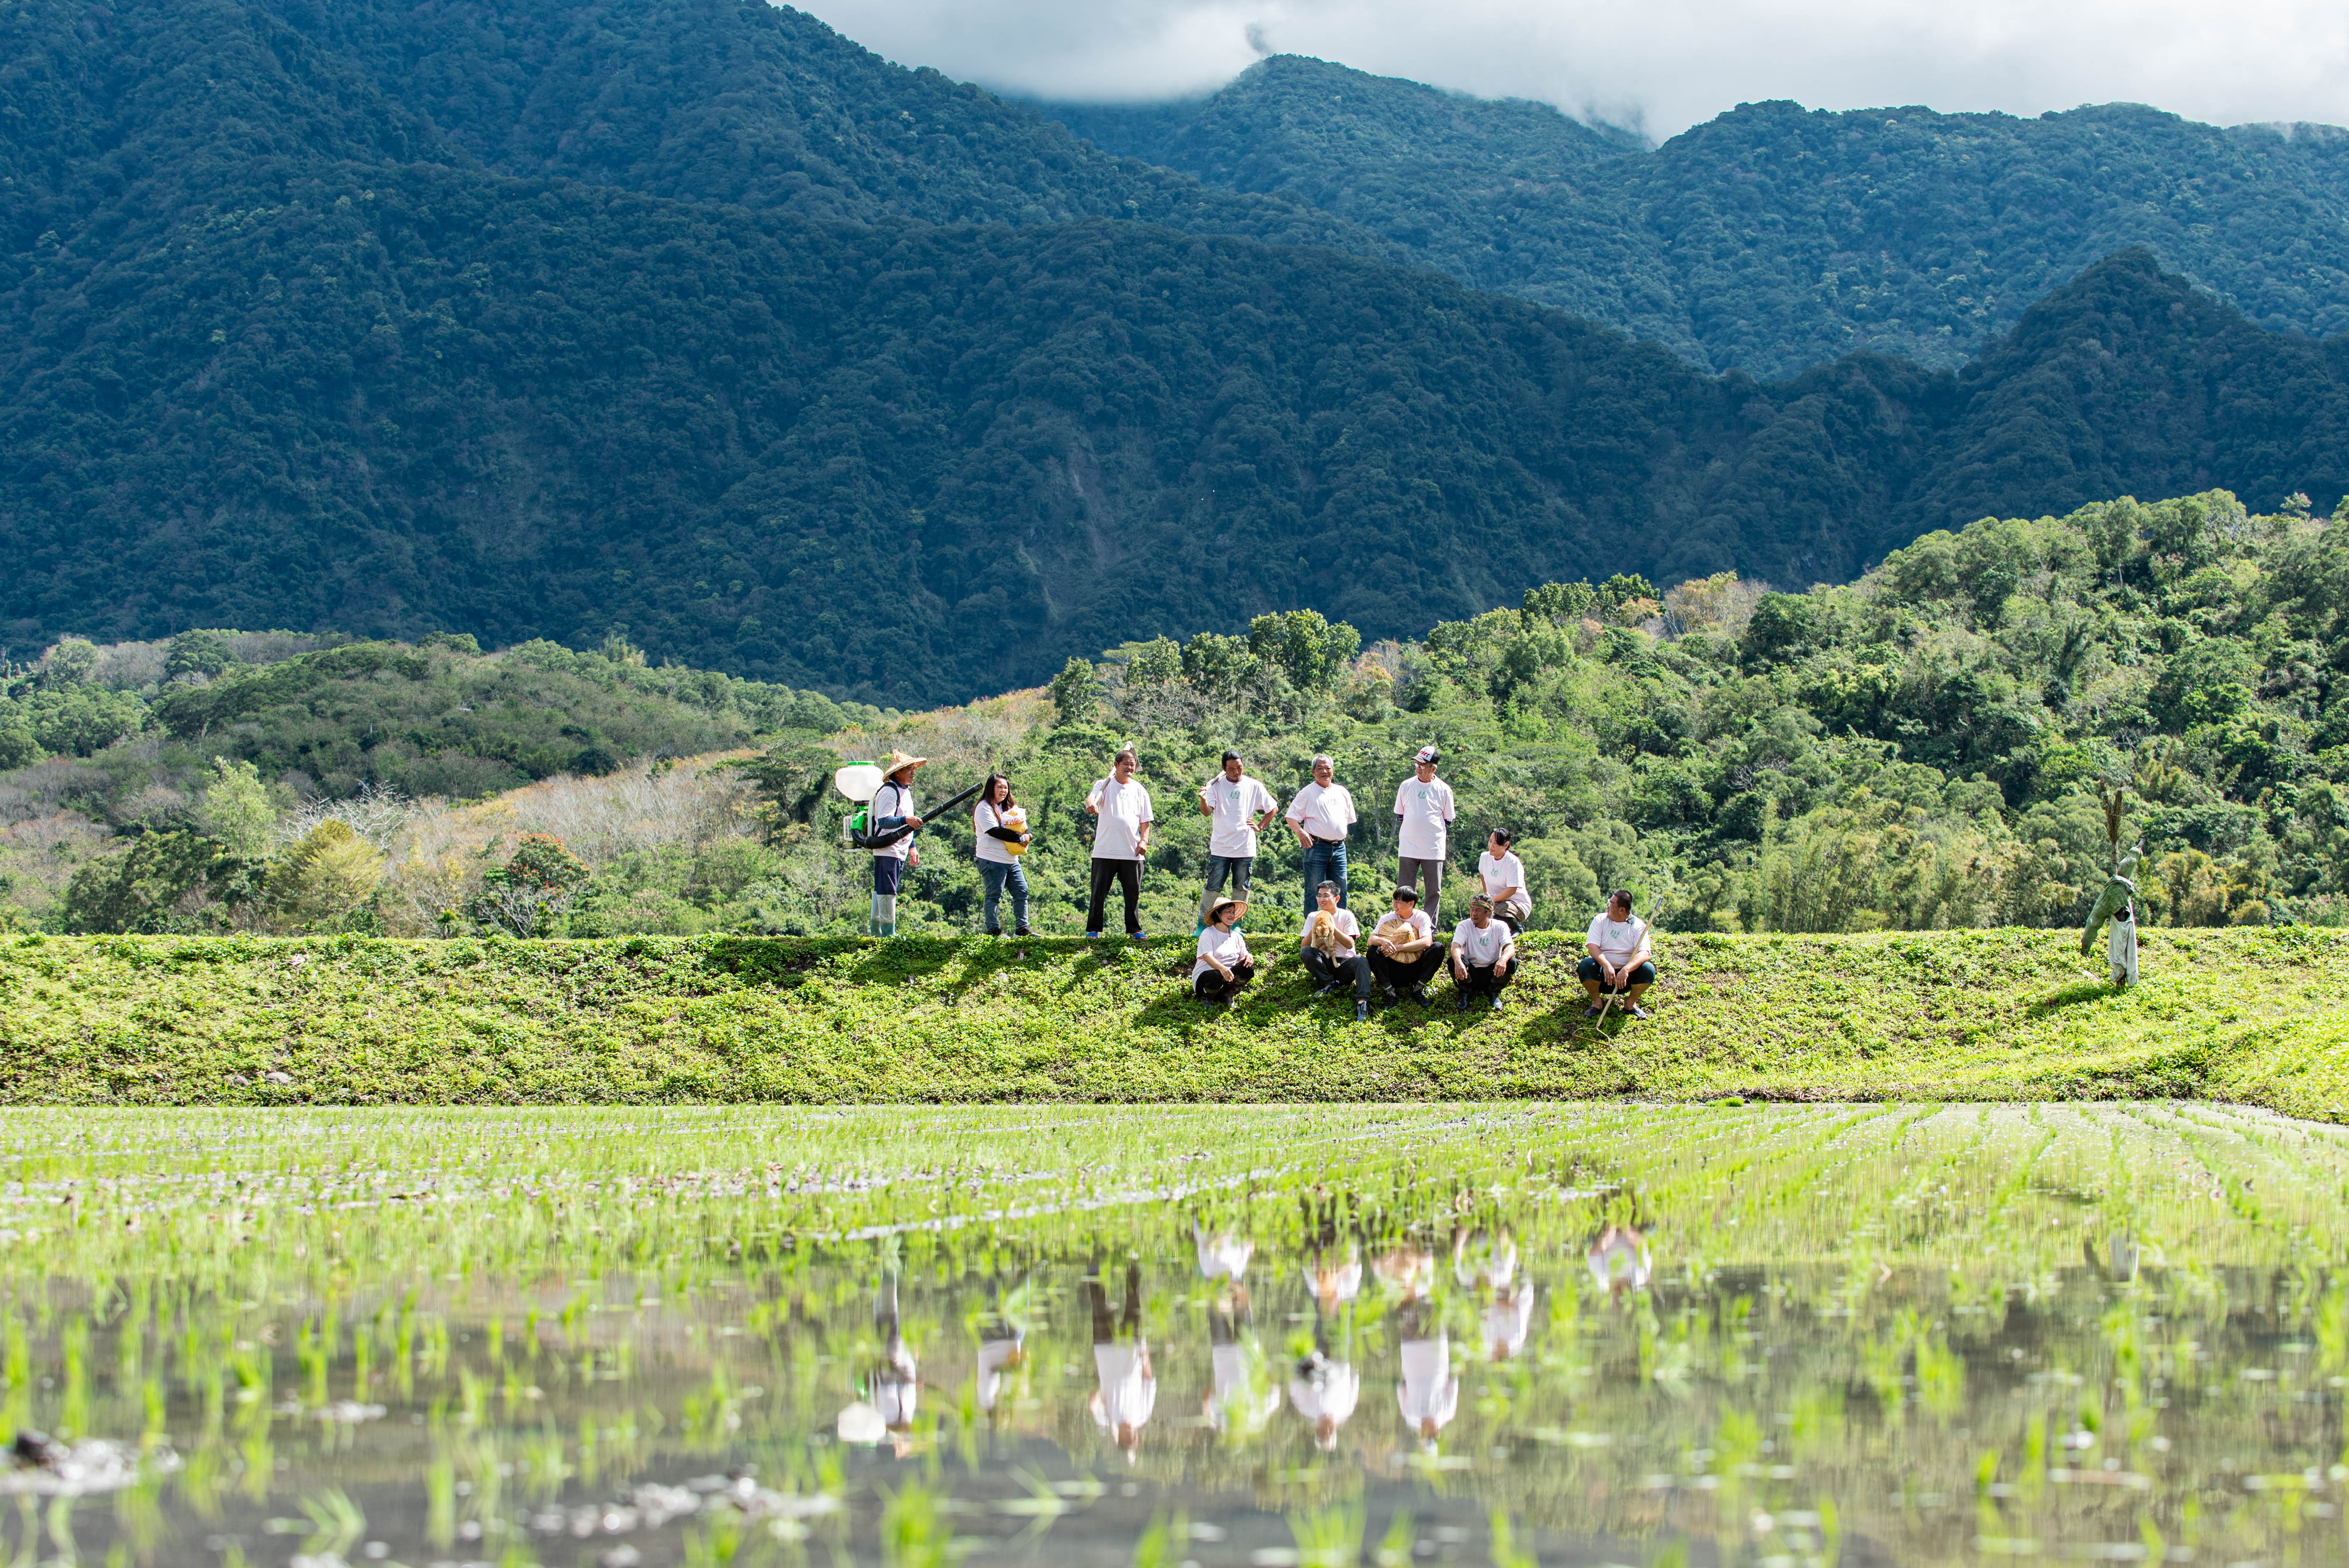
[{"x": 1786, "y": 1338}]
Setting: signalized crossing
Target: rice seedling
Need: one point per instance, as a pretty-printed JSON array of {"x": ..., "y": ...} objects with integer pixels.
[{"x": 662, "y": 1334}]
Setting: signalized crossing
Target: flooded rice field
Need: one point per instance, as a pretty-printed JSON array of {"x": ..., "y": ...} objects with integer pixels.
[{"x": 1584, "y": 1335}]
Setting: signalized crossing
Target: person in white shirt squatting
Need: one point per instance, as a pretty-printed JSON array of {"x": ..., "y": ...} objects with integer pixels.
[
  {"x": 1321, "y": 815},
  {"x": 1617, "y": 957},
  {"x": 1121, "y": 840},
  {"x": 1483, "y": 954},
  {"x": 1224, "y": 964},
  {"x": 1404, "y": 952},
  {"x": 1503, "y": 876},
  {"x": 1240, "y": 808},
  {"x": 1129, "y": 1388},
  {"x": 1423, "y": 802},
  {"x": 1332, "y": 945}
]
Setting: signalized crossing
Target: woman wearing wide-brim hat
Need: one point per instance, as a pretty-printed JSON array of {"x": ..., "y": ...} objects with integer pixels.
[
  {"x": 893, "y": 806},
  {"x": 1224, "y": 964}
]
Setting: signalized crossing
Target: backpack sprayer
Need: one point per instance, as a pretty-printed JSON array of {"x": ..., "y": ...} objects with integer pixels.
[{"x": 860, "y": 782}]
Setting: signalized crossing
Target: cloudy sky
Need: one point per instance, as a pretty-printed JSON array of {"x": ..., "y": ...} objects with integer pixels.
[{"x": 1663, "y": 65}]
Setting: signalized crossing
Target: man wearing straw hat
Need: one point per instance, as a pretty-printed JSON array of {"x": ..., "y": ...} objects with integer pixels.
[{"x": 893, "y": 806}]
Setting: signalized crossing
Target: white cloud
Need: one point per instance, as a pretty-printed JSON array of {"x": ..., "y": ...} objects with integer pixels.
[{"x": 1667, "y": 63}]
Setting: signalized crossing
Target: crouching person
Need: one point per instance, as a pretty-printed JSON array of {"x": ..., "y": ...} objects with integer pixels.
[
  {"x": 1331, "y": 944},
  {"x": 1616, "y": 958},
  {"x": 1404, "y": 953},
  {"x": 1224, "y": 965},
  {"x": 1483, "y": 954}
]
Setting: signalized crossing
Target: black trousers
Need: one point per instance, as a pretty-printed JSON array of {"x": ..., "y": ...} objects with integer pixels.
[
  {"x": 1481, "y": 978},
  {"x": 1402, "y": 974},
  {"x": 1327, "y": 971},
  {"x": 1212, "y": 987},
  {"x": 1127, "y": 875}
]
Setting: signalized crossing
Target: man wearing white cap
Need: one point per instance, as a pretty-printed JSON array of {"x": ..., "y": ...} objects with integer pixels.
[{"x": 1423, "y": 802}]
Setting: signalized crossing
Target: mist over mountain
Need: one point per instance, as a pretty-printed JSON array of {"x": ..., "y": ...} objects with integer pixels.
[
  {"x": 1773, "y": 238},
  {"x": 694, "y": 319}
]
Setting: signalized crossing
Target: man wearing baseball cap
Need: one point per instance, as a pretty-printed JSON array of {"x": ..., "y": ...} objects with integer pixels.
[{"x": 1423, "y": 803}]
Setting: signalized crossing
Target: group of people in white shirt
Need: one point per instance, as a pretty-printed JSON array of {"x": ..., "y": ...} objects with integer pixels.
[{"x": 1399, "y": 956}]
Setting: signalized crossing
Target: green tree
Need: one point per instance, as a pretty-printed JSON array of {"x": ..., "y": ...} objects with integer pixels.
[
  {"x": 205, "y": 653},
  {"x": 1075, "y": 694},
  {"x": 235, "y": 812},
  {"x": 327, "y": 876}
]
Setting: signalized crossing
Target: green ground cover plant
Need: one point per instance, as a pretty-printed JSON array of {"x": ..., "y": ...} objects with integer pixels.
[{"x": 2255, "y": 1016}]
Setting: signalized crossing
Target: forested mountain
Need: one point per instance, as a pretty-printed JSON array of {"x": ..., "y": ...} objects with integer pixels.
[
  {"x": 1773, "y": 238},
  {"x": 284, "y": 341}
]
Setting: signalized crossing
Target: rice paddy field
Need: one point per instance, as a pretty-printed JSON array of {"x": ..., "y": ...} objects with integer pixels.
[{"x": 1644, "y": 1335}]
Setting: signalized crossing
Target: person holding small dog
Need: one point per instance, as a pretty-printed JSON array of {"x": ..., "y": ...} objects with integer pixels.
[{"x": 1332, "y": 946}]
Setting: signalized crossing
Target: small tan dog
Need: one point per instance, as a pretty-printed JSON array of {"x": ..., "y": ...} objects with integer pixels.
[{"x": 1324, "y": 936}]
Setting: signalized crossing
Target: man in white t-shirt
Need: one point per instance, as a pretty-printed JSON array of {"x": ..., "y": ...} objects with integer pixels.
[
  {"x": 1240, "y": 808},
  {"x": 1321, "y": 815},
  {"x": 1503, "y": 878},
  {"x": 1403, "y": 953},
  {"x": 1423, "y": 803},
  {"x": 1617, "y": 957},
  {"x": 1121, "y": 838},
  {"x": 1483, "y": 954},
  {"x": 1334, "y": 957}
]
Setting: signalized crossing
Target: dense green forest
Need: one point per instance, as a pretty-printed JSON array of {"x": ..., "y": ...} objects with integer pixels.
[
  {"x": 1773, "y": 238},
  {"x": 700, "y": 327},
  {"x": 1919, "y": 749}
]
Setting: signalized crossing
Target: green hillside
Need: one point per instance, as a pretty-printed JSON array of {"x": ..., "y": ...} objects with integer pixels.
[
  {"x": 1916, "y": 751},
  {"x": 1951, "y": 1015},
  {"x": 1773, "y": 238}
]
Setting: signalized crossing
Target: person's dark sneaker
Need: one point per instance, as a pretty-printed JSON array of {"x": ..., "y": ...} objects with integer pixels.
[
  {"x": 995, "y": 930},
  {"x": 1392, "y": 998},
  {"x": 1639, "y": 1011},
  {"x": 1593, "y": 1011},
  {"x": 1496, "y": 1002},
  {"x": 1325, "y": 990},
  {"x": 1418, "y": 994},
  {"x": 1463, "y": 1006},
  {"x": 1362, "y": 1011},
  {"x": 1022, "y": 931}
]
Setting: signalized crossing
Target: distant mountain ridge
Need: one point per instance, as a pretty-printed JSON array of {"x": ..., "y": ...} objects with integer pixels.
[
  {"x": 630, "y": 313},
  {"x": 1773, "y": 238}
]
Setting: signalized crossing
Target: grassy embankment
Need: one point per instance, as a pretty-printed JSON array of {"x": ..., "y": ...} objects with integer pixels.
[{"x": 2255, "y": 1016}]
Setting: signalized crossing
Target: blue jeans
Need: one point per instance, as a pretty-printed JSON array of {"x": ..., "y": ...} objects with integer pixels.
[
  {"x": 994, "y": 874},
  {"x": 1235, "y": 870},
  {"x": 1324, "y": 863}
]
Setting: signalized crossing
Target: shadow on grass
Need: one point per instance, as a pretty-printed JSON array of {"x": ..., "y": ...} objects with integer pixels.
[{"x": 2071, "y": 996}]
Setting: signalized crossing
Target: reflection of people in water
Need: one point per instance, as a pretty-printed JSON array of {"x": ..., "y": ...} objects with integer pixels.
[
  {"x": 1487, "y": 1264},
  {"x": 1333, "y": 1265},
  {"x": 1244, "y": 1396},
  {"x": 1223, "y": 1254},
  {"x": 1002, "y": 1348},
  {"x": 1429, "y": 1393},
  {"x": 895, "y": 1385},
  {"x": 1325, "y": 1388},
  {"x": 1129, "y": 1388},
  {"x": 1619, "y": 1261}
]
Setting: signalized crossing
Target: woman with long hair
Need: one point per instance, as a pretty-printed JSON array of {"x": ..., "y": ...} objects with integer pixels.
[{"x": 999, "y": 827}]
